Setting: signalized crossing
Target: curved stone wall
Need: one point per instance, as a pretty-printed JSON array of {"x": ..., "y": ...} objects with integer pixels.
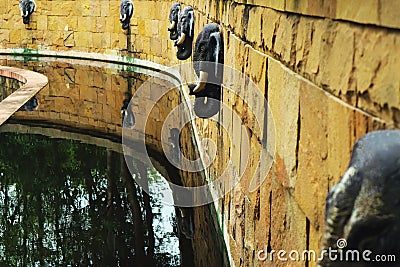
[
  {"x": 328, "y": 70},
  {"x": 85, "y": 97}
]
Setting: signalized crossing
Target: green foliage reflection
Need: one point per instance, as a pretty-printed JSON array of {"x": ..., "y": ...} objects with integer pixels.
[{"x": 64, "y": 203}]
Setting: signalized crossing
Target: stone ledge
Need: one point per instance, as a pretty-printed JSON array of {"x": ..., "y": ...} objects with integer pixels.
[
  {"x": 147, "y": 67},
  {"x": 33, "y": 83}
]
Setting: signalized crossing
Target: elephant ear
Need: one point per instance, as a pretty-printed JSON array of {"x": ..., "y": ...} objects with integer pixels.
[
  {"x": 24, "y": 7},
  {"x": 130, "y": 9},
  {"x": 32, "y": 6},
  {"x": 215, "y": 49},
  {"x": 175, "y": 7},
  {"x": 178, "y": 11}
]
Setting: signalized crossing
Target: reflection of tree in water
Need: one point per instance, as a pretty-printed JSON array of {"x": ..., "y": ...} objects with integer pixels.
[{"x": 65, "y": 203}]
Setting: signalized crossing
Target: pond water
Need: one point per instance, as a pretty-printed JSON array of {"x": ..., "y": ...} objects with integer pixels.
[
  {"x": 66, "y": 203},
  {"x": 66, "y": 196}
]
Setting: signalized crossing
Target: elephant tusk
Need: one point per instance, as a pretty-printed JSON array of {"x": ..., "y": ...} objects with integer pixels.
[
  {"x": 203, "y": 76},
  {"x": 123, "y": 17},
  {"x": 202, "y": 82},
  {"x": 172, "y": 25},
  {"x": 26, "y": 14},
  {"x": 181, "y": 40}
]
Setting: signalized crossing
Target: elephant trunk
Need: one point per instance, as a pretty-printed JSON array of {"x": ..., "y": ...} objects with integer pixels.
[
  {"x": 207, "y": 102},
  {"x": 173, "y": 35},
  {"x": 202, "y": 82},
  {"x": 173, "y": 18},
  {"x": 25, "y": 16},
  {"x": 125, "y": 25},
  {"x": 26, "y": 19},
  {"x": 185, "y": 49},
  {"x": 206, "y": 107}
]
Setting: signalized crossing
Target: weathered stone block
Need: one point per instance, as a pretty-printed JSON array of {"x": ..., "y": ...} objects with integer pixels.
[
  {"x": 118, "y": 41},
  {"x": 42, "y": 22},
  {"x": 86, "y": 24},
  {"x": 285, "y": 37},
  {"x": 337, "y": 50},
  {"x": 253, "y": 32},
  {"x": 71, "y": 22},
  {"x": 359, "y": 10},
  {"x": 98, "y": 40},
  {"x": 15, "y": 36},
  {"x": 270, "y": 19},
  {"x": 288, "y": 225},
  {"x": 297, "y": 6},
  {"x": 388, "y": 13},
  {"x": 377, "y": 86},
  {"x": 62, "y": 8},
  {"x": 114, "y": 8},
  {"x": 105, "y": 8},
  {"x": 324, "y": 147},
  {"x": 303, "y": 42},
  {"x": 313, "y": 8},
  {"x": 283, "y": 99},
  {"x": 9, "y": 19},
  {"x": 100, "y": 24},
  {"x": 141, "y": 27},
  {"x": 110, "y": 24},
  {"x": 156, "y": 46},
  {"x": 154, "y": 28},
  {"x": 311, "y": 185},
  {"x": 4, "y": 36},
  {"x": 148, "y": 25},
  {"x": 253, "y": 92},
  {"x": 312, "y": 63},
  {"x": 235, "y": 19},
  {"x": 83, "y": 39},
  {"x": 89, "y": 8}
]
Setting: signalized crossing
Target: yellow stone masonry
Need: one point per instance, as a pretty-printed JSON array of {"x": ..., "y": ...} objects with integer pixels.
[{"x": 327, "y": 68}]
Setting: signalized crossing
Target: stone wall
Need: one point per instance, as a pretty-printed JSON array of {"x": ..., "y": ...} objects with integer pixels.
[
  {"x": 329, "y": 77},
  {"x": 327, "y": 68},
  {"x": 89, "y": 26}
]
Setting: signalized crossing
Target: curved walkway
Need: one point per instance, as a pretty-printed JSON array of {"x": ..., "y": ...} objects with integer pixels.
[{"x": 33, "y": 83}]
